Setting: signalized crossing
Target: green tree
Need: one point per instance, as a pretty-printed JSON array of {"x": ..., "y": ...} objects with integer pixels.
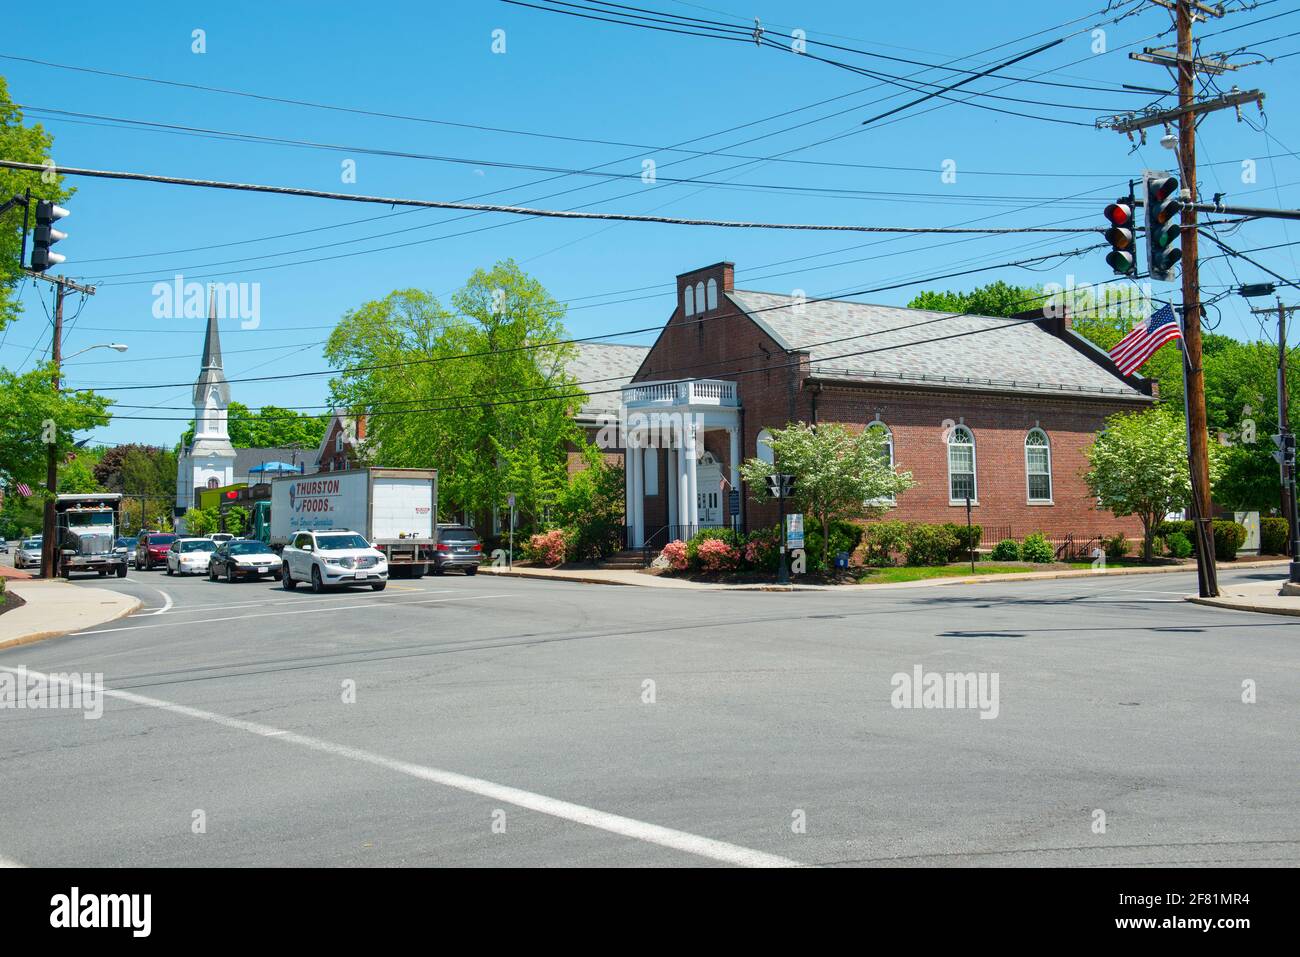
[
  {"x": 270, "y": 427},
  {"x": 1138, "y": 466},
  {"x": 26, "y": 144},
  {"x": 478, "y": 390},
  {"x": 78, "y": 475},
  {"x": 202, "y": 521},
  {"x": 837, "y": 474},
  {"x": 995, "y": 299},
  {"x": 31, "y": 411}
]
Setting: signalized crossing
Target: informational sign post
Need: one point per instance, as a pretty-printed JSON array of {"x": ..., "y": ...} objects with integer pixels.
[{"x": 794, "y": 530}]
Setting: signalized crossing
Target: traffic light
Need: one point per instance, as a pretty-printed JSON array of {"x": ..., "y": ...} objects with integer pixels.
[
  {"x": 1163, "y": 230},
  {"x": 780, "y": 485},
  {"x": 45, "y": 235},
  {"x": 1122, "y": 257},
  {"x": 1285, "y": 454}
]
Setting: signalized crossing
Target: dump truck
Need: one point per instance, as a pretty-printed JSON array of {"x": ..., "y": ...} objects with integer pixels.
[
  {"x": 86, "y": 532},
  {"x": 395, "y": 510}
]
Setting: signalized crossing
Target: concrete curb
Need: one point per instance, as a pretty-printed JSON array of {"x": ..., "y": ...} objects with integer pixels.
[
  {"x": 1240, "y": 604},
  {"x": 128, "y": 605},
  {"x": 923, "y": 583}
]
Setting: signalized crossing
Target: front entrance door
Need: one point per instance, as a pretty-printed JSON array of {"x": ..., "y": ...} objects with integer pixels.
[{"x": 708, "y": 478}]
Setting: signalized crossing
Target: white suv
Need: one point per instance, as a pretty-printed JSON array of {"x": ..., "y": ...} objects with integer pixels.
[{"x": 334, "y": 557}]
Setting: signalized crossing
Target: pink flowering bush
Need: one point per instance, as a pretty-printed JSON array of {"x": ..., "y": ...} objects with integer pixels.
[
  {"x": 549, "y": 548},
  {"x": 762, "y": 550},
  {"x": 715, "y": 555},
  {"x": 675, "y": 554}
]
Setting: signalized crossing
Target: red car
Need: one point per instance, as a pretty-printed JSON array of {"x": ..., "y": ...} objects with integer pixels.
[{"x": 151, "y": 549}]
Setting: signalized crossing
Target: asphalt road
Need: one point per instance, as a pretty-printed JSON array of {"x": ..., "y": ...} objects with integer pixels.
[{"x": 510, "y": 722}]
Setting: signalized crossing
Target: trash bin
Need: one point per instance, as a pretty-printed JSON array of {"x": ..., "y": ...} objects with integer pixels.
[{"x": 841, "y": 559}]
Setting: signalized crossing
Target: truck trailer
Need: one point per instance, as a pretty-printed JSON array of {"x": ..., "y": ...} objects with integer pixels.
[
  {"x": 396, "y": 510},
  {"x": 87, "y": 529}
]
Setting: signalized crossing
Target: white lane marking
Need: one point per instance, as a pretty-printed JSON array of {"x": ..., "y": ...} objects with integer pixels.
[
  {"x": 298, "y": 601},
  {"x": 166, "y": 607},
  {"x": 276, "y": 614},
  {"x": 706, "y": 847}
]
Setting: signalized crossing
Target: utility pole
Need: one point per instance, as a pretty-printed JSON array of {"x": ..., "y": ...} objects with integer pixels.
[{"x": 50, "y": 530}]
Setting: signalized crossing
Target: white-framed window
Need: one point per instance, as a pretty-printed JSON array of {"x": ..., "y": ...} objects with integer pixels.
[
  {"x": 886, "y": 453},
  {"x": 699, "y": 297},
  {"x": 688, "y": 305},
  {"x": 651, "y": 464},
  {"x": 1038, "y": 466},
  {"x": 764, "y": 447},
  {"x": 961, "y": 465},
  {"x": 712, "y": 292}
]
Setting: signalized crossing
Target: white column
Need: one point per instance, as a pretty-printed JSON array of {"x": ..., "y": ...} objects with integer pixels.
[
  {"x": 671, "y": 458},
  {"x": 638, "y": 496},
  {"x": 627, "y": 488},
  {"x": 692, "y": 498},
  {"x": 683, "y": 484},
  {"x": 734, "y": 434}
]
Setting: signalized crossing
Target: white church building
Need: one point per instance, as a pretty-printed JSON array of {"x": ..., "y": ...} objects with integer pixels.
[{"x": 211, "y": 461}]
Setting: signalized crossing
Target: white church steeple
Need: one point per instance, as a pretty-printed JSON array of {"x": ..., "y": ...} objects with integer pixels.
[{"x": 210, "y": 461}]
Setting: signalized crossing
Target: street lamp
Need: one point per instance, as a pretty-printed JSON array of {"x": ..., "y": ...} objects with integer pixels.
[{"x": 116, "y": 346}]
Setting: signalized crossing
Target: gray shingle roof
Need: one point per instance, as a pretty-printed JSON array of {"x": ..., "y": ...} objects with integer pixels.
[
  {"x": 999, "y": 356},
  {"x": 600, "y": 367}
]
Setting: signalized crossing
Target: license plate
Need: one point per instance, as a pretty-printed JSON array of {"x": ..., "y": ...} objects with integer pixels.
[
  {"x": 264, "y": 569},
  {"x": 360, "y": 575}
]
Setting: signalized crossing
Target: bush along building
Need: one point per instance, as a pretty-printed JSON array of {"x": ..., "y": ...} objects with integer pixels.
[{"x": 998, "y": 409}]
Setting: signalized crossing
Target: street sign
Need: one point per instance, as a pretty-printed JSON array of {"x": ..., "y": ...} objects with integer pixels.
[
  {"x": 794, "y": 530},
  {"x": 733, "y": 502},
  {"x": 510, "y": 499}
]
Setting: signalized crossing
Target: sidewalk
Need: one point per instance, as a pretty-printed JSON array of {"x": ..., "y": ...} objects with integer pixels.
[
  {"x": 1275, "y": 597},
  {"x": 610, "y": 576},
  {"x": 55, "y": 608}
]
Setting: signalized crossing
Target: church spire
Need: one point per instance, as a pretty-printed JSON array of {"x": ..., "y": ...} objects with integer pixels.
[{"x": 212, "y": 339}]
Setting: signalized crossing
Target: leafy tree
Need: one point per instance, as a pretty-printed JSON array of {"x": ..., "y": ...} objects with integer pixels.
[
  {"x": 996, "y": 299},
  {"x": 78, "y": 475},
  {"x": 269, "y": 427},
  {"x": 26, "y": 144},
  {"x": 1138, "y": 466},
  {"x": 202, "y": 521},
  {"x": 835, "y": 472},
  {"x": 481, "y": 387},
  {"x": 27, "y": 403}
]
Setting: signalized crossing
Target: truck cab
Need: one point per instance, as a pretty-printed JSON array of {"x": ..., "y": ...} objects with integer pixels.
[{"x": 86, "y": 535}]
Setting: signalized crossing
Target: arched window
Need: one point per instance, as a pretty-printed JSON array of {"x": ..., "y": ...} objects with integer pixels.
[
  {"x": 764, "y": 447},
  {"x": 689, "y": 305},
  {"x": 886, "y": 453},
  {"x": 961, "y": 464},
  {"x": 1038, "y": 466},
  {"x": 699, "y": 297},
  {"x": 212, "y": 483},
  {"x": 712, "y": 289}
]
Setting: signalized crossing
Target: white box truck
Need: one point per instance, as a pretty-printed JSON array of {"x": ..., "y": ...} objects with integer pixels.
[{"x": 395, "y": 509}]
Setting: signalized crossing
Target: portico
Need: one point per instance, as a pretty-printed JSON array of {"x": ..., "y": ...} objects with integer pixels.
[{"x": 671, "y": 418}]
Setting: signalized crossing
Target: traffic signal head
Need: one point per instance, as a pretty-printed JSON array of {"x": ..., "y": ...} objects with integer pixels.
[
  {"x": 1163, "y": 229},
  {"x": 1285, "y": 454},
  {"x": 45, "y": 235},
  {"x": 1122, "y": 257}
]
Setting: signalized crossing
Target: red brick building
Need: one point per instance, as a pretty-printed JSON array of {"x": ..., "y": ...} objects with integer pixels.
[{"x": 1001, "y": 408}]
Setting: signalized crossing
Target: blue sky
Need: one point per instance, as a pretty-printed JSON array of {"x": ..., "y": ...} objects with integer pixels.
[{"x": 592, "y": 81}]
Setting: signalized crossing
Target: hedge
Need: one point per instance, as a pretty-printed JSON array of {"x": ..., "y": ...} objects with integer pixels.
[
  {"x": 1273, "y": 534},
  {"x": 1228, "y": 537}
]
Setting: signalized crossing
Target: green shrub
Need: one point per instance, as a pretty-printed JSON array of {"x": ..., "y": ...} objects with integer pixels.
[
  {"x": 930, "y": 545},
  {"x": 1185, "y": 526},
  {"x": 844, "y": 538},
  {"x": 884, "y": 541},
  {"x": 1179, "y": 545},
  {"x": 1158, "y": 546},
  {"x": 761, "y": 549},
  {"x": 1273, "y": 534},
  {"x": 1228, "y": 537},
  {"x": 1037, "y": 549},
  {"x": 706, "y": 534},
  {"x": 968, "y": 539},
  {"x": 1007, "y": 550},
  {"x": 1116, "y": 546}
]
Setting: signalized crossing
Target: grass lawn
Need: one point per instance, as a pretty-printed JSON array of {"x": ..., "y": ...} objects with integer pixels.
[{"x": 911, "y": 573}]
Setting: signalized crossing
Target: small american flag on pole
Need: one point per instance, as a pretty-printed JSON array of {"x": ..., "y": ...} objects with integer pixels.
[
  {"x": 24, "y": 490},
  {"x": 1141, "y": 343}
]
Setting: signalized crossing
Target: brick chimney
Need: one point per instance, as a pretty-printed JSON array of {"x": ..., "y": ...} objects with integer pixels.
[{"x": 701, "y": 290}]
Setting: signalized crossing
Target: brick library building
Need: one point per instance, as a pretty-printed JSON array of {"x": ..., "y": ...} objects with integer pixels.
[{"x": 1000, "y": 410}]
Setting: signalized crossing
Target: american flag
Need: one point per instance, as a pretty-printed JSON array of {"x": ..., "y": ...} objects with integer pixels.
[
  {"x": 1140, "y": 344},
  {"x": 24, "y": 490}
]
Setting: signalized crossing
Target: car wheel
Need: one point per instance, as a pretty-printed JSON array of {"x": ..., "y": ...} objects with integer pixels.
[
  {"x": 286, "y": 579},
  {"x": 438, "y": 570},
  {"x": 212, "y": 573},
  {"x": 121, "y": 571},
  {"x": 379, "y": 586},
  {"x": 102, "y": 573},
  {"x": 230, "y": 576},
  {"x": 169, "y": 569},
  {"x": 471, "y": 569},
  {"x": 317, "y": 586}
]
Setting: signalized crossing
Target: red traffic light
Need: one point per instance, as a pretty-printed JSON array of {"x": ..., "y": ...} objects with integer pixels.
[
  {"x": 1119, "y": 214},
  {"x": 1162, "y": 189},
  {"x": 232, "y": 494}
]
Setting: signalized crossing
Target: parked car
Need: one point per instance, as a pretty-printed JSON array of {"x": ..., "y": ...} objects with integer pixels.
[
  {"x": 458, "y": 547},
  {"x": 151, "y": 549},
  {"x": 190, "y": 556},
  {"x": 126, "y": 545},
  {"x": 28, "y": 554},
  {"x": 220, "y": 537},
  {"x": 4, "y": 547},
  {"x": 329, "y": 558},
  {"x": 243, "y": 559}
]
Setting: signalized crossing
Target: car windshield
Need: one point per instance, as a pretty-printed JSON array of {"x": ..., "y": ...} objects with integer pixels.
[
  {"x": 31, "y": 543},
  {"x": 330, "y": 542},
  {"x": 246, "y": 548},
  {"x": 457, "y": 535},
  {"x": 126, "y": 543},
  {"x": 200, "y": 546},
  {"x": 161, "y": 539}
]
